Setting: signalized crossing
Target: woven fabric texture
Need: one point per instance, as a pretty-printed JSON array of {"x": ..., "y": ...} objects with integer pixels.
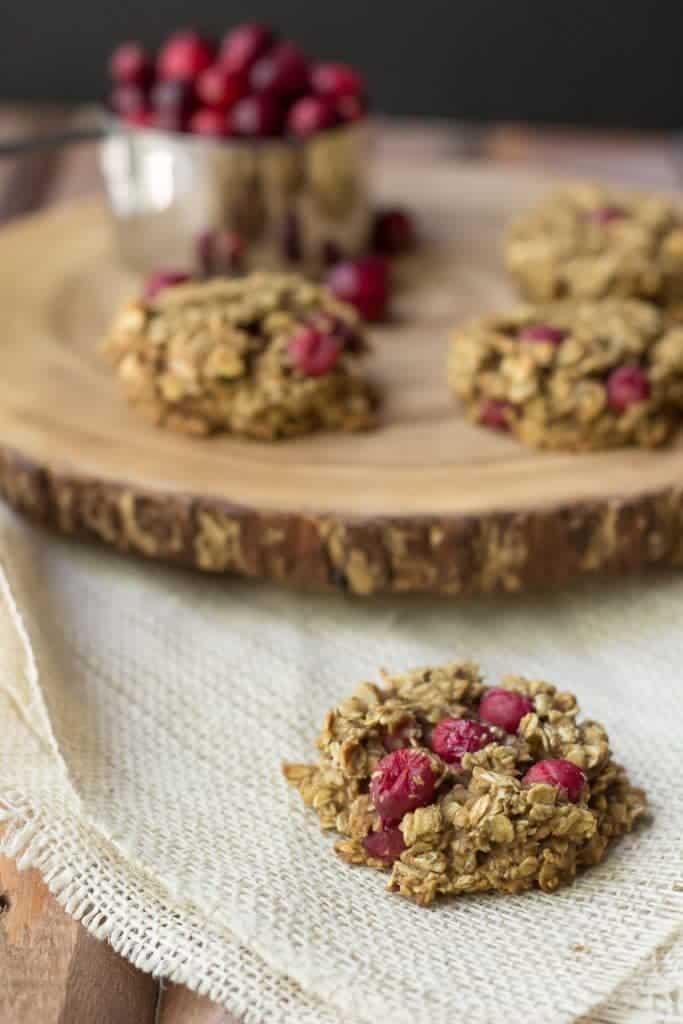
[{"x": 145, "y": 713}]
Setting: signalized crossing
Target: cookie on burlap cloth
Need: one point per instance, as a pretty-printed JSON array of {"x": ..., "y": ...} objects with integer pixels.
[
  {"x": 461, "y": 789},
  {"x": 574, "y": 376},
  {"x": 264, "y": 356},
  {"x": 589, "y": 242}
]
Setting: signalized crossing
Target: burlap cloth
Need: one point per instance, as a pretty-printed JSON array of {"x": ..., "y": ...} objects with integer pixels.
[{"x": 144, "y": 716}]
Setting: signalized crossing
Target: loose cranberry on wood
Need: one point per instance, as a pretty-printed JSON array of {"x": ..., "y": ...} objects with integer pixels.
[
  {"x": 363, "y": 283},
  {"x": 393, "y": 232}
]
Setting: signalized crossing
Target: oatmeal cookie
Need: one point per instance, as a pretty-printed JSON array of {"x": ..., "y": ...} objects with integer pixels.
[
  {"x": 458, "y": 788},
  {"x": 574, "y": 376},
  {"x": 265, "y": 356},
  {"x": 589, "y": 242}
]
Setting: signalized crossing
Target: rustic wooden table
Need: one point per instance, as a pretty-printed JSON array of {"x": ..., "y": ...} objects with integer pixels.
[{"x": 52, "y": 971}]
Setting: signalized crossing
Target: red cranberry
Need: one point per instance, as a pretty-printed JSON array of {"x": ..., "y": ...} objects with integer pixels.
[
  {"x": 129, "y": 64},
  {"x": 184, "y": 56},
  {"x": 364, "y": 283},
  {"x": 351, "y": 108},
  {"x": 543, "y": 332},
  {"x": 313, "y": 352},
  {"x": 393, "y": 232},
  {"x": 282, "y": 72},
  {"x": 220, "y": 252},
  {"x": 627, "y": 385},
  {"x": 453, "y": 737},
  {"x": 140, "y": 119},
  {"x": 161, "y": 279},
  {"x": 174, "y": 97},
  {"x": 403, "y": 781},
  {"x": 337, "y": 80},
  {"x": 495, "y": 413},
  {"x": 556, "y": 772},
  {"x": 128, "y": 99},
  {"x": 386, "y": 845},
  {"x": 309, "y": 115},
  {"x": 219, "y": 89},
  {"x": 255, "y": 117},
  {"x": 504, "y": 708},
  {"x": 209, "y": 122},
  {"x": 605, "y": 214},
  {"x": 244, "y": 45}
]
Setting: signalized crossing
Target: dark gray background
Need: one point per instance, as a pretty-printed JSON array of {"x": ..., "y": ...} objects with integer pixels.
[{"x": 601, "y": 62}]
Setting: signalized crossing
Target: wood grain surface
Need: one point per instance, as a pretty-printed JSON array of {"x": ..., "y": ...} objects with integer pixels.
[
  {"x": 427, "y": 502},
  {"x": 51, "y": 972}
]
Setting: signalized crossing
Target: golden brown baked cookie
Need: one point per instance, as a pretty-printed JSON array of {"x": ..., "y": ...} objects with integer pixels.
[
  {"x": 458, "y": 788},
  {"x": 573, "y": 376},
  {"x": 589, "y": 242},
  {"x": 265, "y": 356}
]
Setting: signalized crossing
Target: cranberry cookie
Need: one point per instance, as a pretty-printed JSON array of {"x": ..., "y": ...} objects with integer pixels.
[
  {"x": 590, "y": 242},
  {"x": 265, "y": 356},
  {"x": 458, "y": 788},
  {"x": 573, "y": 376}
]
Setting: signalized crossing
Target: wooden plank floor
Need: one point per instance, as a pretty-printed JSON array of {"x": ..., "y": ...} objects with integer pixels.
[{"x": 51, "y": 970}]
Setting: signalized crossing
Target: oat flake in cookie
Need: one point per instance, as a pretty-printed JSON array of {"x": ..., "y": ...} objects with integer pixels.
[
  {"x": 589, "y": 242},
  {"x": 573, "y": 376},
  {"x": 458, "y": 788},
  {"x": 265, "y": 356}
]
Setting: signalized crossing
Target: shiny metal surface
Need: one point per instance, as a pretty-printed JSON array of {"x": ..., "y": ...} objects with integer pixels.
[{"x": 292, "y": 203}]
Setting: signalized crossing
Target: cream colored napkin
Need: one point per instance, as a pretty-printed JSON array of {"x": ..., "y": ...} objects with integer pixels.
[{"x": 145, "y": 713}]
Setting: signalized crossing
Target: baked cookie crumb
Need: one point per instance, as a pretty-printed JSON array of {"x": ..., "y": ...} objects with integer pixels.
[
  {"x": 588, "y": 241},
  {"x": 457, "y": 788},
  {"x": 265, "y": 356},
  {"x": 573, "y": 376}
]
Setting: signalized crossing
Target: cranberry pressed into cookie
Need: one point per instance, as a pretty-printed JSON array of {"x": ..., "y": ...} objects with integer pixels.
[{"x": 495, "y": 789}]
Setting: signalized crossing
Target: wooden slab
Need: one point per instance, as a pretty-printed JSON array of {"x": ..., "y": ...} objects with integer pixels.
[{"x": 427, "y": 502}]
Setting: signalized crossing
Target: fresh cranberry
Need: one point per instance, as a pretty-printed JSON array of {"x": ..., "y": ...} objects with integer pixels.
[
  {"x": 351, "y": 108},
  {"x": 386, "y": 845},
  {"x": 627, "y": 385},
  {"x": 337, "y": 80},
  {"x": 128, "y": 99},
  {"x": 209, "y": 122},
  {"x": 129, "y": 64},
  {"x": 494, "y": 413},
  {"x": 255, "y": 117},
  {"x": 219, "y": 89},
  {"x": 244, "y": 45},
  {"x": 403, "y": 781},
  {"x": 504, "y": 708},
  {"x": 184, "y": 56},
  {"x": 556, "y": 772},
  {"x": 140, "y": 118},
  {"x": 453, "y": 737},
  {"x": 605, "y": 214},
  {"x": 282, "y": 72},
  {"x": 364, "y": 283},
  {"x": 393, "y": 231},
  {"x": 161, "y": 279},
  {"x": 174, "y": 97},
  {"x": 220, "y": 252},
  {"x": 543, "y": 332},
  {"x": 314, "y": 352},
  {"x": 309, "y": 115}
]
